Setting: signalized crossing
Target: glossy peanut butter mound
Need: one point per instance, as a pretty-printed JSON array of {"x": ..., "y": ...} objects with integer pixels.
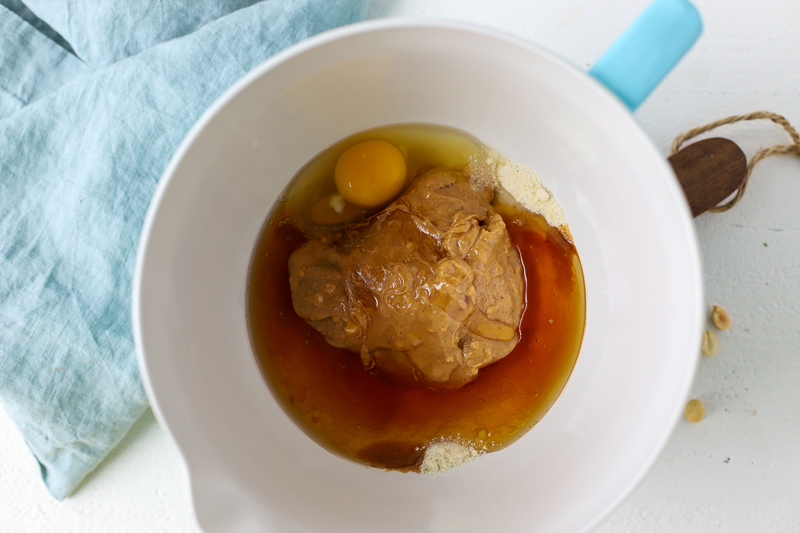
[{"x": 429, "y": 290}]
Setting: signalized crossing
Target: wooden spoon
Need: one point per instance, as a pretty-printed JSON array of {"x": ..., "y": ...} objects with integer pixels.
[{"x": 709, "y": 171}]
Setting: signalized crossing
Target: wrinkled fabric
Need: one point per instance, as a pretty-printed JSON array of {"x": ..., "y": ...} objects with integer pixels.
[{"x": 94, "y": 99}]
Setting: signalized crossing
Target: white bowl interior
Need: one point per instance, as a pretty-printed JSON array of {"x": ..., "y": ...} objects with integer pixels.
[{"x": 251, "y": 468}]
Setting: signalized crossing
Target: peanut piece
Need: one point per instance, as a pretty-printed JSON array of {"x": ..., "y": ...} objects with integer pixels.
[
  {"x": 710, "y": 343},
  {"x": 694, "y": 411},
  {"x": 720, "y": 318}
]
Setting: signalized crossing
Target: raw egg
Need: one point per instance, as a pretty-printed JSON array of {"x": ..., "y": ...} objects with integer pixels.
[{"x": 370, "y": 173}]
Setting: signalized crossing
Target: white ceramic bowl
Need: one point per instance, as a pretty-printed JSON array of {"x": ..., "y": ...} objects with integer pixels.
[{"x": 249, "y": 467}]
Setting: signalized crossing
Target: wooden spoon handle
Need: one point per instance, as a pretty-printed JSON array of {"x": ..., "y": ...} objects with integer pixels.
[{"x": 709, "y": 171}]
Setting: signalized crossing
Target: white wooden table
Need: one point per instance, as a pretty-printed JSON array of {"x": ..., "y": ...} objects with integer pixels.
[{"x": 738, "y": 470}]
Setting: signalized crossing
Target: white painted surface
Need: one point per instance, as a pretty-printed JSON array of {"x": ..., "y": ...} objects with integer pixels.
[{"x": 738, "y": 470}]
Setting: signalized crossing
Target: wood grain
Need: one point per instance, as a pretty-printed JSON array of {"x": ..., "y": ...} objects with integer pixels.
[{"x": 709, "y": 171}]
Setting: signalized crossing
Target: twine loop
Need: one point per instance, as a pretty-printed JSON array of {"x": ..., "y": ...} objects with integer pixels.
[{"x": 781, "y": 149}]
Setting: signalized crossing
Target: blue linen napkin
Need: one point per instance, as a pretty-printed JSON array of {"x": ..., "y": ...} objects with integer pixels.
[{"x": 94, "y": 98}]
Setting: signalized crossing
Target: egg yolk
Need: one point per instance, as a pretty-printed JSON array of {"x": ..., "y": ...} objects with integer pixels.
[{"x": 370, "y": 173}]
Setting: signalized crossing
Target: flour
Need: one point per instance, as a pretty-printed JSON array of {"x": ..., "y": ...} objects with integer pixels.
[
  {"x": 443, "y": 455},
  {"x": 520, "y": 183}
]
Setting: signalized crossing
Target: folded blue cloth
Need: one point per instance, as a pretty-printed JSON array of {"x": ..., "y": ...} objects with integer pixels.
[{"x": 94, "y": 98}]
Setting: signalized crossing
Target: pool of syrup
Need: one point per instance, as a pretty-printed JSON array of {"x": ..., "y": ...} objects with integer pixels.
[{"x": 378, "y": 422}]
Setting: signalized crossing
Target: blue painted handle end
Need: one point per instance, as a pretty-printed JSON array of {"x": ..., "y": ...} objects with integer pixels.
[{"x": 648, "y": 50}]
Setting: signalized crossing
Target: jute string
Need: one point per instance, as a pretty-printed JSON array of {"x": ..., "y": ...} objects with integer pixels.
[{"x": 780, "y": 149}]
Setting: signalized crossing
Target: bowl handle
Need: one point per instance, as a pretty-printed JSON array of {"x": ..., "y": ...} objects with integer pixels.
[{"x": 653, "y": 44}]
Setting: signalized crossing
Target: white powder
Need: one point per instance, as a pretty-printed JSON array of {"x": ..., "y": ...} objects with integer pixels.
[
  {"x": 337, "y": 203},
  {"x": 521, "y": 183},
  {"x": 443, "y": 455}
]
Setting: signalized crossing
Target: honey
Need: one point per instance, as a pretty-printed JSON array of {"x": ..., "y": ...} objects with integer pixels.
[{"x": 378, "y": 422}]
